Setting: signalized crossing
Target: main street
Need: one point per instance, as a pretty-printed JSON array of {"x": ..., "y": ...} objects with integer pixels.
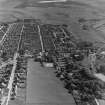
[{"x": 44, "y": 88}]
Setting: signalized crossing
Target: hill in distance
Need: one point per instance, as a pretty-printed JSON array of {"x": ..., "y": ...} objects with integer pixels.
[{"x": 68, "y": 12}]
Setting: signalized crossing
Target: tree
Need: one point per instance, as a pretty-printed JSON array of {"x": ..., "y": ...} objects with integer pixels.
[
  {"x": 81, "y": 20},
  {"x": 4, "y": 56}
]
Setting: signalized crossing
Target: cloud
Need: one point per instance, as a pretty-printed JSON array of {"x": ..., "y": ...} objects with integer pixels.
[{"x": 49, "y": 1}]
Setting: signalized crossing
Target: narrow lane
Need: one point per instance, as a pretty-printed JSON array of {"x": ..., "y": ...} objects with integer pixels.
[
  {"x": 4, "y": 36},
  {"x": 39, "y": 32}
]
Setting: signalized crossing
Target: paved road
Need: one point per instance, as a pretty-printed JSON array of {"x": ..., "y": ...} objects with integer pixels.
[{"x": 44, "y": 88}]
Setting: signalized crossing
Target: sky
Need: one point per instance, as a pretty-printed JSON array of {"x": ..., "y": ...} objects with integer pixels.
[
  {"x": 11, "y": 3},
  {"x": 48, "y": 1},
  {"x": 96, "y": 3},
  {"x": 7, "y": 7},
  {"x": 99, "y": 3}
]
